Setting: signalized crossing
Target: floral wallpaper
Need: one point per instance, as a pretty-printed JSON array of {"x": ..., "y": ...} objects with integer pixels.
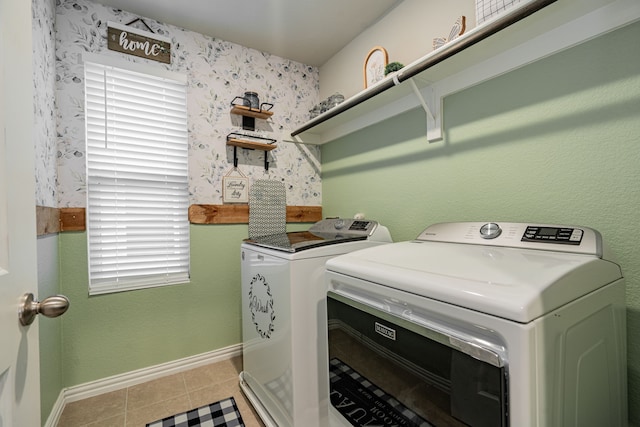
[
  {"x": 217, "y": 71},
  {"x": 44, "y": 106}
]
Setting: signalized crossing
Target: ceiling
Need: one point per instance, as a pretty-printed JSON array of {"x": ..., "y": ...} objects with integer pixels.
[{"x": 306, "y": 31}]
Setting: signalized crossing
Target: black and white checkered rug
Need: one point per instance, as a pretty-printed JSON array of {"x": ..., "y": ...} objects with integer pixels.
[{"x": 224, "y": 413}]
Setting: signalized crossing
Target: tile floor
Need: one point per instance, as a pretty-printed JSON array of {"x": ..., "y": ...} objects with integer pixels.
[{"x": 157, "y": 399}]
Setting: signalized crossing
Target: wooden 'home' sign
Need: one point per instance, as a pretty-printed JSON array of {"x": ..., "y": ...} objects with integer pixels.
[{"x": 136, "y": 42}]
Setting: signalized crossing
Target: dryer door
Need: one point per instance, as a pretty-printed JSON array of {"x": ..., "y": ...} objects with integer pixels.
[{"x": 386, "y": 370}]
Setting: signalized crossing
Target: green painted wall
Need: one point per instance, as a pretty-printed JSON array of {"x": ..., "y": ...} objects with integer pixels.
[
  {"x": 557, "y": 141},
  {"x": 111, "y": 334},
  {"x": 49, "y": 330}
]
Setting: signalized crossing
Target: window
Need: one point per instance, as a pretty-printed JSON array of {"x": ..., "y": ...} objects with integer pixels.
[{"x": 137, "y": 179}]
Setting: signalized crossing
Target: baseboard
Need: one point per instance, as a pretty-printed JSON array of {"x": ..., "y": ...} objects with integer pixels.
[
  {"x": 128, "y": 379},
  {"x": 56, "y": 411}
]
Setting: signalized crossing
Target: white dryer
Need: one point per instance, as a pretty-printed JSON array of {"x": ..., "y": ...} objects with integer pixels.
[
  {"x": 479, "y": 324},
  {"x": 283, "y": 317}
]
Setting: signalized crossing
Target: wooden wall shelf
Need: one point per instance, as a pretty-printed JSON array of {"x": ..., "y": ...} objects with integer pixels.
[
  {"x": 250, "y": 142},
  {"x": 251, "y": 145},
  {"x": 242, "y": 110},
  {"x": 249, "y": 114}
]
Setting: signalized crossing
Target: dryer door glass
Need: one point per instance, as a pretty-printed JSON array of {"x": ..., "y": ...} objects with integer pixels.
[{"x": 386, "y": 371}]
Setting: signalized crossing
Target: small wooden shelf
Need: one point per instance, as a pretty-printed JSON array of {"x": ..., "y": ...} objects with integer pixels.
[
  {"x": 251, "y": 145},
  {"x": 250, "y": 142},
  {"x": 249, "y": 114},
  {"x": 242, "y": 110}
]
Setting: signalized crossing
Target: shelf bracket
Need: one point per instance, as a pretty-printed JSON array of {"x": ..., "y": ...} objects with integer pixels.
[
  {"x": 235, "y": 158},
  {"x": 432, "y": 106}
]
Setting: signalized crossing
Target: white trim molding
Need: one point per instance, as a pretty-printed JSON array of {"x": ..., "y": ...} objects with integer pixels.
[{"x": 128, "y": 379}]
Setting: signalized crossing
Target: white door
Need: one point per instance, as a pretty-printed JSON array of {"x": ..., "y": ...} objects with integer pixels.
[{"x": 19, "y": 350}]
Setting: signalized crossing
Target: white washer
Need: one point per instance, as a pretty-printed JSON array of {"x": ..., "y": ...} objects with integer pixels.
[
  {"x": 283, "y": 317},
  {"x": 508, "y": 324}
]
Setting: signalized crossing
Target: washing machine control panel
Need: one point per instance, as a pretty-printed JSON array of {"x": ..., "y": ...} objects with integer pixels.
[
  {"x": 344, "y": 225},
  {"x": 564, "y": 235},
  {"x": 548, "y": 237},
  {"x": 360, "y": 225}
]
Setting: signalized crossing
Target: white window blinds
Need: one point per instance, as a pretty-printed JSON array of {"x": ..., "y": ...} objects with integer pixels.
[{"x": 137, "y": 180}]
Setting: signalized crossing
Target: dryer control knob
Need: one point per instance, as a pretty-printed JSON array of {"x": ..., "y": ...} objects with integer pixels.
[
  {"x": 339, "y": 224},
  {"x": 490, "y": 230}
]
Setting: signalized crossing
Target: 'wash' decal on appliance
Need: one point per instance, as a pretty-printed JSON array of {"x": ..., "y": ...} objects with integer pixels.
[{"x": 261, "y": 306}]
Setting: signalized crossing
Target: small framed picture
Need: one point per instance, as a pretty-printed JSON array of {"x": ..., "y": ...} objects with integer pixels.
[
  {"x": 235, "y": 189},
  {"x": 374, "y": 64}
]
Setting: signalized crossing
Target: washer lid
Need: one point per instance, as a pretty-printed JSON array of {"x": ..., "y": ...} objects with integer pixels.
[
  {"x": 296, "y": 241},
  {"x": 329, "y": 231},
  {"x": 516, "y": 284}
]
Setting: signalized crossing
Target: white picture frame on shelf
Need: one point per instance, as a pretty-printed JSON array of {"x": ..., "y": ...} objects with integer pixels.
[{"x": 374, "y": 64}]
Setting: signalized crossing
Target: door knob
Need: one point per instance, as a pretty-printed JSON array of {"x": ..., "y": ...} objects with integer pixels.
[{"x": 52, "y": 306}]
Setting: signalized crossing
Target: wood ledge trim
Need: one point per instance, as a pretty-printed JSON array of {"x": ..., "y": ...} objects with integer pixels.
[
  {"x": 72, "y": 219},
  {"x": 56, "y": 220},
  {"x": 47, "y": 220},
  {"x": 239, "y": 214}
]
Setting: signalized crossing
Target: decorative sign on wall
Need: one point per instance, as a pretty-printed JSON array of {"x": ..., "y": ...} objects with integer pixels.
[
  {"x": 133, "y": 41},
  {"x": 235, "y": 189}
]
